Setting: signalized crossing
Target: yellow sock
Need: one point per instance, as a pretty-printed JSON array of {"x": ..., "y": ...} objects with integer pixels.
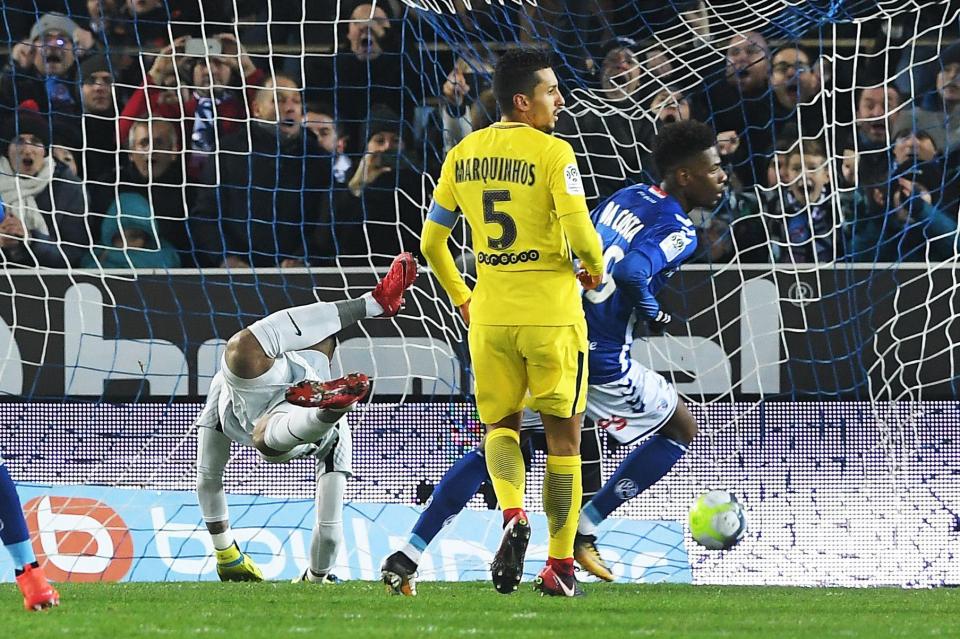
[
  {"x": 505, "y": 465},
  {"x": 562, "y": 492}
]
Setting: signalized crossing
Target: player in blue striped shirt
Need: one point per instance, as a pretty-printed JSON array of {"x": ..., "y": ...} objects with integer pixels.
[{"x": 646, "y": 236}]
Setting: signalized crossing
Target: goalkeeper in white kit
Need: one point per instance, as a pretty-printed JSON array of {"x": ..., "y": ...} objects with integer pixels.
[{"x": 274, "y": 393}]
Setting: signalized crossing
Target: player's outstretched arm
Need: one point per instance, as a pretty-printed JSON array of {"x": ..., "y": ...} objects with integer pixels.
[{"x": 433, "y": 245}]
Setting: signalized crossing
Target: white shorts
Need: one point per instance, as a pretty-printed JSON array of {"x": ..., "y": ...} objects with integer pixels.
[
  {"x": 634, "y": 406},
  {"x": 333, "y": 453},
  {"x": 235, "y": 403}
]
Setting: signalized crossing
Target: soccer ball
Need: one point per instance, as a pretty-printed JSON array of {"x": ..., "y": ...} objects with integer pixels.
[{"x": 717, "y": 520}]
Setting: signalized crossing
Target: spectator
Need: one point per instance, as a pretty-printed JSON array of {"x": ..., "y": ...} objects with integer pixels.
[
  {"x": 207, "y": 71},
  {"x": 369, "y": 70},
  {"x": 796, "y": 86},
  {"x": 130, "y": 238},
  {"x": 378, "y": 215},
  {"x": 607, "y": 145},
  {"x": 793, "y": 79},
  {"x": 43, "y": 68},
  {"x": 895, "y": 219},
  {"x": 263, "y": 198},
  {"x": 914, "y": 146},
  {"x": 942, "y": 121},
  {"x": 152, "y": 170},
  {"x": 98, "y": 152},
  {"x": 461, "y": 98},
  {"x": 620, "y": 71},
  {"x": 287, "y": 31},
  {"x": 656, "y": 62},
  {"x": 778, "y": 168},
  {"x": 125, "y": 27},
  {"x": 332, "y": 138},
  {"x": 875, "y": 119},
  {"x": 804, "y": 218},
  {"x": 919, "y": 148},
  {"x": 486, "y": 112},
  {"x": 146, "y": 24},
  {"x": 44, "y": 223},
  {"x": 735, "y": 101}
]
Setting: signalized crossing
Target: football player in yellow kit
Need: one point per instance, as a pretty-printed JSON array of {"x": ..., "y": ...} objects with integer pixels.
[{"x": 520, "y": 190}]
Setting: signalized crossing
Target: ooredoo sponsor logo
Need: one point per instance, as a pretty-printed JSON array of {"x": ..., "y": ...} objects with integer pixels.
[{"x": 79, "y": 539}]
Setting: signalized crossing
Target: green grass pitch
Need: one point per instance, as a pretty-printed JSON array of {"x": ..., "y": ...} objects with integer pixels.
[{"x": 362, "y": 609}]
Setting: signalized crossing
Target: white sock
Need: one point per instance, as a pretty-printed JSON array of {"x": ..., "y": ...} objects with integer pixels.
[
  {"x": 586, "y": 526},
  {"x": 286, "y": 431},
  {"x": 373, "y": 307},
  {"x": 412, "y": 553},
  {"x": 328, "y": 531},
  {"x": 314, "y": 577},
  {"x": 297, "y": 328},
  {"x": 222, "y": 541},
  {"x": 324, "y": 546}
]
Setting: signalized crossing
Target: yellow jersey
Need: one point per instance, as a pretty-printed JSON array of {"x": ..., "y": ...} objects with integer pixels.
[{"x": 515, "y": 184}]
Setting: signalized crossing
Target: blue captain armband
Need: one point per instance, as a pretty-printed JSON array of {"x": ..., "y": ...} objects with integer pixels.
[{"x": 442, "y": 216}]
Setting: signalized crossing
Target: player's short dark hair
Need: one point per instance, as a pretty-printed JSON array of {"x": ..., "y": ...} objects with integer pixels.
[
  {"x": 516, "y": 72},
  {"x": 679, "y": 142}
]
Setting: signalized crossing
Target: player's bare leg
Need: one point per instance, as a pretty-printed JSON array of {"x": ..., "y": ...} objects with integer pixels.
[
  {"x": 682, "y": 426},
  {"x": 562, "y": 493},
  {"x": 508, "y": 475}
]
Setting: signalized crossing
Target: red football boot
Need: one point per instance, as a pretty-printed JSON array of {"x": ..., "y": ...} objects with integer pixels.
[
  {"x": 37, "y": 591},
  {"x": 337, "y": 394},
  {"x": 389, "y": 291},
  {"x": 552, "y": 582}
]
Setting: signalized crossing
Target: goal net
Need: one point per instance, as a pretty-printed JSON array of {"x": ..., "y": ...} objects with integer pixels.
[{"x": 201, "y": 168}]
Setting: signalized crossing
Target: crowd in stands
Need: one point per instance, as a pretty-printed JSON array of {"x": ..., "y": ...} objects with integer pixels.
[{"x": 168, "y": 133}]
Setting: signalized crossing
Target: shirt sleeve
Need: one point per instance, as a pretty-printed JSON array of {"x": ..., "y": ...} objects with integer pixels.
[
  {"x": 646, "y": 259},
  {"x": 584, "y": 241},
  {"x": 444, "y": 194},
  {"x": 565, "y": 183},
  {"x": 433, "y": 245},
  {"x": 566, "y": 187}
]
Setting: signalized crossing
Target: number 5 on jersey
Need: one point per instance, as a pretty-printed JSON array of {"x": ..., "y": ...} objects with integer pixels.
[{"x": 508, "y": 228}]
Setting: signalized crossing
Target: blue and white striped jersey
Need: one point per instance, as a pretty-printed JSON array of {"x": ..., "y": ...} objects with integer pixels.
[{"x": 646, "y": 236}]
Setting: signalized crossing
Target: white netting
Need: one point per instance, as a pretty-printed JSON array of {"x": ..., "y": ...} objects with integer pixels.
[{"x": 821, "y": 316}]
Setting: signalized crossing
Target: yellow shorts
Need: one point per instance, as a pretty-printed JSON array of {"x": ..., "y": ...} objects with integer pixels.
[{"x": 548, "y": 361}]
